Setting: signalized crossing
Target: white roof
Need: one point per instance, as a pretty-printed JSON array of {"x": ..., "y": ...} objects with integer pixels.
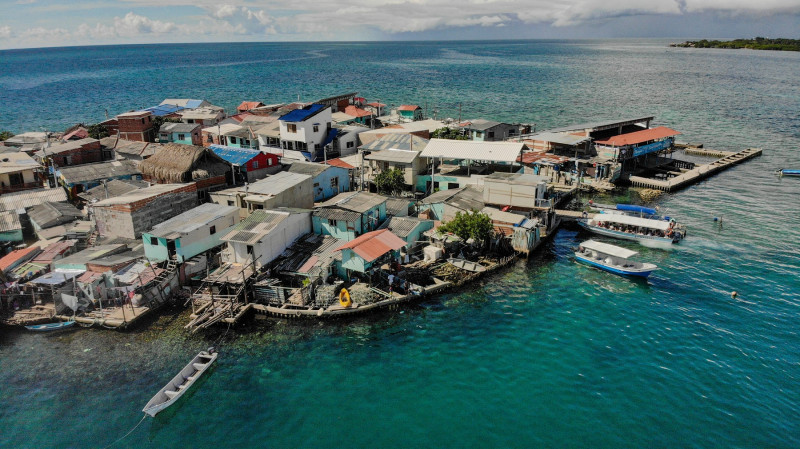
[
  {"x": 472, "y": 150},
  {"x": 222, "y": 129},
  {"x": 611, "y": 250},
  {"x": 16, "y": 162},
  {"x": 505, "y": 217},
  {"x": 661, "y": 225}
]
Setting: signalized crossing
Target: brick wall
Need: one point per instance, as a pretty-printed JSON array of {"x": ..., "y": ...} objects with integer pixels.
[
  {"x": 131, "y": 220},
  {"x": 88, "y": 153}
]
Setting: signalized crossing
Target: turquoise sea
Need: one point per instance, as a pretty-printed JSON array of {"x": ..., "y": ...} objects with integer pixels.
[{"x": 547, "y": 353}]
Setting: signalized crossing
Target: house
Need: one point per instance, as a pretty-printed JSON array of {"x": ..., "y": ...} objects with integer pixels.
[
  {"x": 410, "y": 112},
  {"x": 185, "y": 133},
  {"x": 10, "y": 226},
  {"x": 399, "y": 207},
  {"x": 44, "y": 261},
  {"x": 282, "y": 189},
  {"x": 111, "y": 189},
  {"x": 22, "y": 200},
  {"x": 80, "y": 178},
  {"x": 205, "y": 116},
  {"x": 76, "y": 152},
  {"x": 76, "y": 132},
  {"x": 445, "y": 204},
  {"x": 338, "y": 102},
  {"x": 249, "y": 165},
  {"x": 16, "y": 258},
  {"x": 490, "y": 131},
  {"x": 79, "y": 261},
  {"x": 248, "y": 105},
  {"x": 47, "y": 215},
  {"x": 376, "y": 108},
  {"x": 308, "y": 131},
  {"x": 164, "y": 110},
  {"x": 269, "y": 136},
  {"x": 349, "y": 214},
  {"x": 347, "y": 140},
  {"x": 215, "y": 135},
  {"x": 264, "y": 235},
  {"x": 130, "y": 150},
  {"x": 519, "y": 191},
  {"x": 18, "y": 171},
  {"x": 137, "y": 126},
  {"x": 359, "y": 115},
  {"x": 395, "y": 151},
  {"x": 328, "y": 180},
  {"x": 188, "y": 103},
  {"x": 176, "y": 163},
  {"x": 371, "y": 249},
  {"x": 136, "y": 212},
  {"x": 29, "y": 142},
  {"x": 189, "y": 234},
  {"x": 409, "y": 229}
]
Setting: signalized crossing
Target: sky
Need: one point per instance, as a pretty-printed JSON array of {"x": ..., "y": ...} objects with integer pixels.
[{"x": 48, "y": 23}]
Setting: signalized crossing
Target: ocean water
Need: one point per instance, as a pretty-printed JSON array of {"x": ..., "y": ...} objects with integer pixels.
[{"x": 547, "y": 353}]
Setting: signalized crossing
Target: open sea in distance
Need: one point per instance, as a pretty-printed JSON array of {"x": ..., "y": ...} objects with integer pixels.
[{"x": 547, "y": 353}]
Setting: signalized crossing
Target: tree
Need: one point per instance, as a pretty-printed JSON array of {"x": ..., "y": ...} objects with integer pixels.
[
  {"x": 448, "y": 133},
  {"x": 390, "y": 181},
  {"x": 159, "y": 120},
  {"x": 5, "y": 135},
  {"x": 470, "y": 225},
  {"x": 97, "y": 131}
]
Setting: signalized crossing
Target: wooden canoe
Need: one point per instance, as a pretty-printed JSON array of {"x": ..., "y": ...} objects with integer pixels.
[{"x": 179, "y": 384}]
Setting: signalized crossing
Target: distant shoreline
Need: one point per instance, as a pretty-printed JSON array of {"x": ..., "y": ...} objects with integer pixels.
[{"x": 758, "y": 43}]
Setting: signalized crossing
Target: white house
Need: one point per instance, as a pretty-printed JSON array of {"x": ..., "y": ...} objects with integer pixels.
[
  {"x": 264, "y": 235},
  {"x": 308, "y": 130}
]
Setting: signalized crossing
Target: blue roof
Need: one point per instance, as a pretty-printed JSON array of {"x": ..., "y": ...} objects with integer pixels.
[
  {"x": 331, "y": 136},
  {"x": 163, "y": 109},
  {"x": 193, "y": 104},
  {"x": 236, "y": 156},
  {"x": 298, "y": 115}
]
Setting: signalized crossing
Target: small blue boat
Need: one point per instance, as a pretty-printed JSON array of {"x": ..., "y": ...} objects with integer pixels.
[
  {"x": 48, "y": 327},
  {"x": 613, "y": 259},
  {"x": 788, "y": 172}
]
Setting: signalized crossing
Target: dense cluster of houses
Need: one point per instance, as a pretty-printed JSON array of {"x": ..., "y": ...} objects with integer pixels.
[{"x": 272, "y": 199}]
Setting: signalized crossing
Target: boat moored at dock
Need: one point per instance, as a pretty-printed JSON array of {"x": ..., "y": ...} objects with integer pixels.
[
  {"x": 179, "y": 384},
  {"x": 788, "y": 172},
  {"x": 649, "y": 232},
  {"x": 613, "y": 259}
]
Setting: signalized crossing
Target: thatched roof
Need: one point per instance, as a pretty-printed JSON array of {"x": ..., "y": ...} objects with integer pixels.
[{"x": 183, "y": 163}]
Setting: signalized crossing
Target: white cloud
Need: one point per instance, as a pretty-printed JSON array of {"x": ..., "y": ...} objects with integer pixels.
[
  {"x": 243, "y": 20},
  {"x": 5, "y": 32}
]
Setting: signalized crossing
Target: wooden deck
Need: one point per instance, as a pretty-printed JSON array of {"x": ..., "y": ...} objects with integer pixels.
[{"x": 696, "y": 174}]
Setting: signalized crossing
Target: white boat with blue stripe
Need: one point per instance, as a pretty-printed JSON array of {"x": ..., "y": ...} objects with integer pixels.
[
  {"x": 647, "y": 231},
  {"x": 613, "y": 259}
]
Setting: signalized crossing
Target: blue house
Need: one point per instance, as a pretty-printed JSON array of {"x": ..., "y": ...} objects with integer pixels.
[
  {"x": 409, "y": 229},
  {"x": 250, "y": 165},
  {"x": 185, "y": 133},
  {"x": 371, "y": 249},
  {"x": 191, "y": 233},
  {"x": 328, "y": 180},
  {"x": 349, "y": 215}
]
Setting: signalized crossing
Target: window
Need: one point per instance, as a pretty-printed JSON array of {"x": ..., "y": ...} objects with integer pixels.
[
  {"x": 142, "y": 121},
  {"x": 230, "y": 203},
  {"x": 181, "y": 136},
  {"x": 334, "y": 183},
  {"x": 154, "y": 240},
  {"x": 291, "y": 127},
  {"x": 331, "y": 222},
  {"x": 490, "y": 134},
  {"x": 250, "y": 249},
  {"x": 255, "y": 164},
  {"x": 210, "y": 139},
  {"x": 316, "y": 127},
  {"x": 164, "y": 136},
  {"x": 316, "y": 185},
  {"x": 233, "y": 139},
  {"x": 269, "y": 162},
  {"x": 212, "y": 230},
  {"x": 350, "y": 144},
  {"x": 66, "y": 160},
  {"x": 191, "y": 120},
  {"x": 15, "y": 179}
]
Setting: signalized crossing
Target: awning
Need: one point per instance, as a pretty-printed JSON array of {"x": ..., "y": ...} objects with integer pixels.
[{"x": 611, "y": 250}]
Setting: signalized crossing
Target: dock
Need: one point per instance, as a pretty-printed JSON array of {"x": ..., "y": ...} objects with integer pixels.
[
  {"x": 696, "y": 174},
  {"x": 571, "y": 215}
]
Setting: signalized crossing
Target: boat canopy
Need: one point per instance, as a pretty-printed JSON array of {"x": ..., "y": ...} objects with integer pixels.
[
  {"x": 635, "y": 208},
  {"x": 611, "y": 250},
  {"x": 649, "y": 223}
]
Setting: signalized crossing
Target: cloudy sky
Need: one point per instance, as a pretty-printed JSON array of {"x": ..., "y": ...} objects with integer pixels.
[{"x": 44, "y": 23}]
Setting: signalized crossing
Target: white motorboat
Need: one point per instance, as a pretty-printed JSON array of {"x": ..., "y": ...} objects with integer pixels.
[
  {"x": 179, "y": 384},
  {"x": 644, "y": 230},
  {"x": 612, "y": 258}
]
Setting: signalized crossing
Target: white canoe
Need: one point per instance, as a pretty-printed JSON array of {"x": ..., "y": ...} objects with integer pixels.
[
  {"x": 175, "y": 388},
  {"x": 467, "y": 265}
]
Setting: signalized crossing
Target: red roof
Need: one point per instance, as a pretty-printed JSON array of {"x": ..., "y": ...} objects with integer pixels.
[
  {"x": 240, "y": 117},
  {"x": 18, "y": 255},
  {"x": 247, "y": 105},
  {"x": 644, "y": 135},
  {"x": 355, "y": 111},
  {"x": 375, "y": 104},
  {"x": 54, "y": 250},
  {"x": 374, "y": 244},
  {"x": 339, "y": 163},
  {"x": 408, "y": 107},
  {"x": 536, "y": 156},
  {"x": 79, "y": 133}
]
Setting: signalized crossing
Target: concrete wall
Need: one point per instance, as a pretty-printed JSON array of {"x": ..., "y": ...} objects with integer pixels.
[
  {"x": 339, "y": 229},
  {"x": 192, "y": 244},
  {"x": 131, "y": 222},
  {"x": 300, "y": 195}
]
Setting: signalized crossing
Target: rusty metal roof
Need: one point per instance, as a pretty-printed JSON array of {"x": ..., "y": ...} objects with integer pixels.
[
  {"x": 374, "y": 244},
  {"x": 639, "y": 137}
]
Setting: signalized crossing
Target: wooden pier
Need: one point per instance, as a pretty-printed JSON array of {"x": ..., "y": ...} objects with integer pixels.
[{"x": 697, "y": 173}]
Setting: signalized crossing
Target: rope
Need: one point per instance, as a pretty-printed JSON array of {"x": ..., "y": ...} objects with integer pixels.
[{"x": 129, "y": 432}]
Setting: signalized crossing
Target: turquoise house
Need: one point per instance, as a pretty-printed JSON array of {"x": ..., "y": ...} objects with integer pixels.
[
  {"x": 410, "y": 112},
  {"x": 409, "y": 229},
  {"x": 190, "y": 233},
  {"x": 185, "y": 133},
  {"x": 328, "y": 180},
  {"x": 349, "y": 215},
  {"x": 371, "y": 249}
]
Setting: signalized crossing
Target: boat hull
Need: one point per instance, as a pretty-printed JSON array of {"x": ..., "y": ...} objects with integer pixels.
[
  {"x": 789, "y": 172},
  {"x": 646, "y": 240},
  {"x": 180, "y": 384},
  {"x": 642, "y": 272},
  {"x": 50, "y": 327}
]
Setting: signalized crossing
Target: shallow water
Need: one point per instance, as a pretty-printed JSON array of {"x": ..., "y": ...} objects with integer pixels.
[{"x": 547, "y": 353}]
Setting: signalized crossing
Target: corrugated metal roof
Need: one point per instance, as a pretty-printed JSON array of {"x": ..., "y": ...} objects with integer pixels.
[
  {"x": 54, "y": 250},
  {"x": 66, "y": 146},
  {"x": 57, "y": 277},
  {"x": 398, "y": 206},
  {"x": 355, "y": 111},
  {"x": 481, "y": 124},
  {"x": 399, "y": 156},
  {"x": 253, "y": 228},
  {"x": 374, "y": 244},
  {"x": 277, "y": 183},
  {"x": 15, "y": 162},
  {"x": 18, "y": 256},
  {"x": 465, "y": 198},
  {"x": 473, "y": 150},
  {"x": 171, "y": 127},
  {"x": 299, "y": 115},
  {"x": 269, "y": 130},
  {"x": 236, "y": 156},
  {"x": 341, "y": 117},
  {"x": 396, "y": 142},
  {"x": 308, "y": 168},
  {"x": 113, "y": 188},
  {"x": 222, "y": 129},
  {"x": 335, "y": 213},
  {"x": 515, "y": 178},
  {"x": 503, "y": 217},
  {"x": 47, "y": 215},
  {"x": 639, "y": 137},
  {"x": 201, "y": 114},
  {"x": 441, "y": 196},
  {"x": 403, "y": 226},
  {"x": 98, "y": 171},
  {"x": 140, "y": 194},
  {"x": 193, "y": 219},
  {"x": 339, "y": 163},
  {"x": 90, "y": 254},
  {"x": 163, "y": 109},
  {"x": 30, "y": 198},
  {"x": 355, "y": 201}
]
